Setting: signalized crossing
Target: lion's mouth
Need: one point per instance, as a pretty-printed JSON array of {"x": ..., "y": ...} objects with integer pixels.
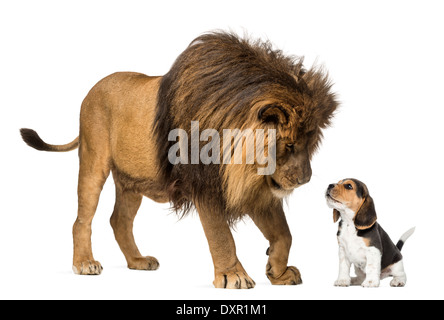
[
  {"x": 277, "y": 189},
  {"x": 275, "y": 185}
]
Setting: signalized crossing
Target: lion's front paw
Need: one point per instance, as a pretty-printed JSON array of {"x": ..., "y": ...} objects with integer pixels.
[
  {"x": 90, "y": 267},
  {"x": 233, "y": 280},
  {"x": 291, "y": 276}
]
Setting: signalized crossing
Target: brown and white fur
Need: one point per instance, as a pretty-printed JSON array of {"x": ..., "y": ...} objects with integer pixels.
[{"x": 362, "y": 241}]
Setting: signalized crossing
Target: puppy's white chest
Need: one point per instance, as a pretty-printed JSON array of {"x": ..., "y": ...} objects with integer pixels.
[{"x": 354, "y": 246}]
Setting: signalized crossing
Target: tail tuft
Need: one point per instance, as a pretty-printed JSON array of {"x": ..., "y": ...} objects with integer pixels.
[
  {"x": 404, "y": 238},
  {"x": 33, "y": 140}
]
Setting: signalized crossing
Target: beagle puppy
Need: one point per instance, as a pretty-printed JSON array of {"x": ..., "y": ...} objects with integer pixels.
[{"x": 362, "y": 241}]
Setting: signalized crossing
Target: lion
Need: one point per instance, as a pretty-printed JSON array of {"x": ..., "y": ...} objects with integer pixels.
[{"x": 225, "y": 82}]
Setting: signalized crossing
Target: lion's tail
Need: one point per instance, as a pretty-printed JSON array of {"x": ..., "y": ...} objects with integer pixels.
[{"x": 32, "y": 139}]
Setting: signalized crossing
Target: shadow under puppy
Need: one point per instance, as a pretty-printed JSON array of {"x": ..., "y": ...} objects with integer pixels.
[{"x": 362, "y": 241}]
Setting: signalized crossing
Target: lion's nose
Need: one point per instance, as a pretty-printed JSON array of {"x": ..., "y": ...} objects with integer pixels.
[
  {"x": 305, "y": 177},
  {"x": 298, "y": 180},
  {"x": 304, "y": 180}
]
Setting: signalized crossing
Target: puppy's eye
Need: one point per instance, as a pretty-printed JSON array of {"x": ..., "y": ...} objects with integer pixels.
[
  {"x": 348, "y": 186},
  {"x": 289, "y": 146}
]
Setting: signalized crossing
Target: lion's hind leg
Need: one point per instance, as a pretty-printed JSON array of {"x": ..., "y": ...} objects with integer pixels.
[
  {"x": 93, "y": 172},
  {"x": 125, "y": 210}
]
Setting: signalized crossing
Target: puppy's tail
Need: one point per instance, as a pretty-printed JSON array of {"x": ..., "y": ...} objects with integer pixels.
[
  {"x": 32, "y": 139},
  {"x": 404, "y": 238}
]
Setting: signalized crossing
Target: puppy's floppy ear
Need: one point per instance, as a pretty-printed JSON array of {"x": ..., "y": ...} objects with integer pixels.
[
  {"x": 365, "y": 218},
  {"x": 336, "y": 215},
  {"x": 273, "y": 113}
]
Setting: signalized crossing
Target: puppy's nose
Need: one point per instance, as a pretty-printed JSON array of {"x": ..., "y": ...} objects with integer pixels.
[{"x": 331, "y": 186}]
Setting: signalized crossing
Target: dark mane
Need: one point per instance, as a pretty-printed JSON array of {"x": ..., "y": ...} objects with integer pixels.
[{"x": 217, "y": 80}]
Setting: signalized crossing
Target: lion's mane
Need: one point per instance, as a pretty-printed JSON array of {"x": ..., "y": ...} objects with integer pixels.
[{"x": 222, "y": 81}]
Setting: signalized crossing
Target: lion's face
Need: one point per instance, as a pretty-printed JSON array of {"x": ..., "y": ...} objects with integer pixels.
[
  {"x": 292, "y": 167},
  {"x": 299, "y": 131}
]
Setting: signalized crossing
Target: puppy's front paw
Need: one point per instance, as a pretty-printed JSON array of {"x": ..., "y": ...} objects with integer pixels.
[
  {"x": 397, "y": 282},
  {"x": 370, "y": 283},
  {"x": 343, "y": 282}
]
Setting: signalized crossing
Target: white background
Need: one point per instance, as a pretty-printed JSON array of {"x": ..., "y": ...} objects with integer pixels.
[{"x": 386, "y": 60}]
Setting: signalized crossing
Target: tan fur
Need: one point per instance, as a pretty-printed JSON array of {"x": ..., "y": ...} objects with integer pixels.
[
  {"x": 336, "y": 215},
  {"x": 116, "y": 121},
  {"x": 367, "y": 241}
]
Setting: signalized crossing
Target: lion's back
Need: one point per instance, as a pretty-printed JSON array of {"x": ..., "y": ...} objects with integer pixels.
[{"x": 121, "y": 109}]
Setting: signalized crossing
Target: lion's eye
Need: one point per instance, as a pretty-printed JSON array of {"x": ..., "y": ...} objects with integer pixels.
[
  {"x": 290, "y": 146},
  {"x": 348, "y": 186}
]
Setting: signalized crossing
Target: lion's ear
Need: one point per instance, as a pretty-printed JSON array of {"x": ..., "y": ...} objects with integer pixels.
[
  {"x": 273, "y": 113},
  {"x": 336, "y": 215}
]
